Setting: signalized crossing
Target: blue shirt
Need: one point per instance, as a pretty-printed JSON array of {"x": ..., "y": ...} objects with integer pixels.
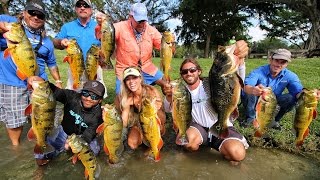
[
  {"x": 8, "y": 68},
  {"x": 285, "y": 79},
  {"x": 85, "y": 35}
]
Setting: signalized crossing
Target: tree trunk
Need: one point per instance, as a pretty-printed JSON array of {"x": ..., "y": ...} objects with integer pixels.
[{"x": 207, "y": 48}]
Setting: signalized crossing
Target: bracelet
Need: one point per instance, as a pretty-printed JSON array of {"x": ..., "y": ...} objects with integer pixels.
[{"x": 58, "y": 81}]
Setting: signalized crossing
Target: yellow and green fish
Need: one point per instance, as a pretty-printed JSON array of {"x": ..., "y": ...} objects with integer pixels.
[{"x": 166, "y": 53}]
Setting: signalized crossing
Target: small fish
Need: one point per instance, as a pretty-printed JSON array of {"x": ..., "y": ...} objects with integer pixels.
[
  {"x": 305, "y": 113},
  {"x": 225, "y": 86},
  {"x": 181, "y": 110},
  {"x": 92, "y": 62},
  {"x": 151, "y": 127},
  {"x": 20, "y": 49},
  {"x": 265, "y": 111},
  {"x": 75, "y": 59},
  {"x": 82, "y": 151},
  {"x": 112, "y": 133},
  {"x": 166, "y": 53},
  {"x": 42, "y": 110}
]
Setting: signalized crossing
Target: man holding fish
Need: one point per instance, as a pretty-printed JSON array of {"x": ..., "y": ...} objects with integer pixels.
[
  {"x": 135, "y": 40},
  {"x": 82, "y": 116},
  {"x": 25, "y": 49},
  {"x": 204, "y": 116},
  {"x": 82, "y": 30}
]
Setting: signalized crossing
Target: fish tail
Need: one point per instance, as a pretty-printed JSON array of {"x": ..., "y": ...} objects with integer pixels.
[
  {"x": 38, "y": 149},
  {"x": 113, "y": 159},
  {"x": 181, "y": 140},
  {"x": 258, "y": 134},
  {"x": 299, "y": 143},
  {"x": 157, "y": 156},
  {"x": 224, "y": 133}
]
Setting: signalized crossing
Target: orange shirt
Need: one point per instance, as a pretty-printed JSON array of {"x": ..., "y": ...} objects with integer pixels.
[{"x": 128, "y": 51}]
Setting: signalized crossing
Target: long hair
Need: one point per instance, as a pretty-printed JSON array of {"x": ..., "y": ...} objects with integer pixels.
[{"x": 124, "y": 90}]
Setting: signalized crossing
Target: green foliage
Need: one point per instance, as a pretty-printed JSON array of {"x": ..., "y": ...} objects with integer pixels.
[{"x": 269, "y": 43}]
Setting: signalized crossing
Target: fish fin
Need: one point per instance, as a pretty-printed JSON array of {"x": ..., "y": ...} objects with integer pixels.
[
  {"x": 235, "y": 114},
  {"x": 86, "y": 173},
  {"x": 258, "y": 134},
  {"x": 75, "y": 85},
  {"x": 74, "y": 158},
  {"x": 224, "y": 133},
  {"x": 175, "y": 128},
  {"x": 181, "y": 140},
  {"x": 28, "y": 110},
  {"x": 100, "y": 129},
  {"x": 6, "y": 53},
  {"x": 160, "y": 144},
  {"x": 299, "y": 143},
  {"x": 157, "y": 157},
  {"x": 31, "y": 134},
  {"x": 38, "y": 149},
  {"x": 315, "y": 113},
  {"x": 106, "y": 150},
  {"x": 97, "y": 31},
  {"x": 255, "y": 123},
  {"x": 67, "y": 59},
  {"x": 21, "y": 75},
  {"x": 306, "y": 133}
]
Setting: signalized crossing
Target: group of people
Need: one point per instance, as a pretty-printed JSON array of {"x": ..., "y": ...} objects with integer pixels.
[{"x": 135, "y": 76}]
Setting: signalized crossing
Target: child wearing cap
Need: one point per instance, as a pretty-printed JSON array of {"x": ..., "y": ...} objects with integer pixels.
[
  {"x": 278, "y": 77},
  {"x": 82, "y": 115},
  {"x": 129, "y": 103}
]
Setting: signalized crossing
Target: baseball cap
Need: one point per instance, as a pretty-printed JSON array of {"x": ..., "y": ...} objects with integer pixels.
[
  {"x": 282, "y": 54},
  {"x": 139, "y": 12},
  {"x": 95, "y": 87},
  {"x": 131, "y": 71},
  {"x": 86, "y": 1},
  {"x": 36, "y": 5}
]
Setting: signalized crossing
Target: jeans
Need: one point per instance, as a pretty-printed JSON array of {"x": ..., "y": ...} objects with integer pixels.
[
  {"x": 286, "y": 102},
  {"x": 58, "y": 140}
]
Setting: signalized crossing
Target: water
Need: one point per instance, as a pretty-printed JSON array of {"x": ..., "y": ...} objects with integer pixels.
[{"x": 176, "y": 163}]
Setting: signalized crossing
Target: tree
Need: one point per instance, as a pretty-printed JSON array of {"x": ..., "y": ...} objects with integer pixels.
[{"x": 208, "y": 23}]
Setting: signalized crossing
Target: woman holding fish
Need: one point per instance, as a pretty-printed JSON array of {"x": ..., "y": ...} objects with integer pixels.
[
  {"x": 142, "y": 111},
  {"x": 82, "y": 116},
  {"x": 203, "y": 114},
  {"x": 25, "y": 51}
]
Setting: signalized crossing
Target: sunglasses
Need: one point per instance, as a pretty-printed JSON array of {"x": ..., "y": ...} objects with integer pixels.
[
  {"x": 142, "y": 21},
  {"x": 85, "y": 5},
  {"x": 93, "y": 96},
  {"x": 36, "y": 13},
  {"x": 191, "y": 70}
]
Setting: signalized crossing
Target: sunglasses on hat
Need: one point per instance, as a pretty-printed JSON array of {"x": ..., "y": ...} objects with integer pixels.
[{"x": 36, "y": 13}]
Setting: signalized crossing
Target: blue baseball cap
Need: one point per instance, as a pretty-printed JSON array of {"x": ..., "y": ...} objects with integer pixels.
[{"x": 139, "y": 12}]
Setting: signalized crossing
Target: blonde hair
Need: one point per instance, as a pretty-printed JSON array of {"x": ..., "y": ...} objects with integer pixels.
[{"x": 124, "y": 90}]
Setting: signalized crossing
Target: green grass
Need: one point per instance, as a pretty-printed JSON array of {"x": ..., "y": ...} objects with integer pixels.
[{"x": 308, "y": 71}]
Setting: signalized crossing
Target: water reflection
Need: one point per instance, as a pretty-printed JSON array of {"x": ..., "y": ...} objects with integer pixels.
[{"x": 175, "y": 163}]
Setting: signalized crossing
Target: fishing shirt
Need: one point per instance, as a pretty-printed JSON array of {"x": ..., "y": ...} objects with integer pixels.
[
  {"x": 129, "y": 51},
  {"x": 7, "y": 67},
  {"x": 202, "y": 111},
  {"x": 285, "y": 79},
  {"x": 76, "y": 118},
  {"x": 85, "y": 35}
]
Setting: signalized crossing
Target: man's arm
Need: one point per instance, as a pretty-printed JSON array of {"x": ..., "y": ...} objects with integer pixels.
[{"x": 54, "y": 71}]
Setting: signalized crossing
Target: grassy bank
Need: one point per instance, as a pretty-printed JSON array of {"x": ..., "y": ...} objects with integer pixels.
[{"x": 308, "y": 71}]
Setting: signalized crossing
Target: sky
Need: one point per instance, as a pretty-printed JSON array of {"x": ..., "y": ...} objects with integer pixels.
[{"x": 255, "y": 32}]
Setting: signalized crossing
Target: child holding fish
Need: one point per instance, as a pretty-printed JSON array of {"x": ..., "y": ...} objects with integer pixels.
[
  {"x": 203, "y": 114},
  {"x": 82, "y": 116},
  {"x": 25, "y": 51}
]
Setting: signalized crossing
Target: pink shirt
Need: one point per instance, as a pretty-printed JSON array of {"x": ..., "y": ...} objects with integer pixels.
[{"x": 128, "y": 51}]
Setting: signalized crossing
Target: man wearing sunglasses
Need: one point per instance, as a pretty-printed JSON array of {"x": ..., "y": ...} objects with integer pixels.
[
  {"x": 135, "y": 40},
  {"x": 82, "y": 115},
  {"x": 203, "y": 114},
  {"x": 82, "y": 30},
  {"x": 13, "y": 90}
]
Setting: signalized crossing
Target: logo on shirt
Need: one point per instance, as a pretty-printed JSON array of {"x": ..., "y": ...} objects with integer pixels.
[{"x": 79, "y": 120}]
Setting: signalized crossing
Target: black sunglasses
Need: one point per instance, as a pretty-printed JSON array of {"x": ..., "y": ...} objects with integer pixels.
[
  {"x": 37, "y": 13},
  {"x": 80, "y": 4},
  {"x": 191, "y": 70},
  {"x": 93, "y": 96},
  {"x": 142, "y": 21}
]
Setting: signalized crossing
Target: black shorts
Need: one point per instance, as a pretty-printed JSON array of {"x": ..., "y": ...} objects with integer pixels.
[{"x": 215, "y": 141}]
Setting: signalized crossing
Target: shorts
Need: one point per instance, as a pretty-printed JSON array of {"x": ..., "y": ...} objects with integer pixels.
[
  {"x": 215, "y": 142},
  {"x": 58, "y": 139},
  {"x": 13, "y": 102},
  {"x": 148, "y": 79}
]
